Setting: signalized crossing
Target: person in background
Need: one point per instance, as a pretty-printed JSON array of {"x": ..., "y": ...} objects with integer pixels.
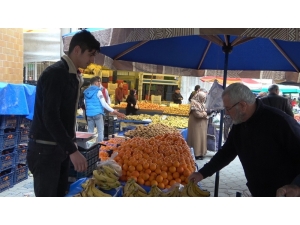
[
  {"x": 290, "y": 190},
  {"x": 132, "y": 106},
  {"x": 177, "y": 97},
  {"x": 197, "y": 88},
  {"x": 197, "y": 125},
  {"x": 274, "y": 100},
  {"x": 262, "y": 94},
  {"x": 95, "y": 105},
  {"x": 265, "y": 139},
  {"x": 294, "y": 102},
  {"x": 52, "y": 137},
  {"x": 119, "y": 94}
]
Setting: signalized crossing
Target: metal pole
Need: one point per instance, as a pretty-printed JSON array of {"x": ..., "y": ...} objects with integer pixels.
[{"x": 226, "y": 49}]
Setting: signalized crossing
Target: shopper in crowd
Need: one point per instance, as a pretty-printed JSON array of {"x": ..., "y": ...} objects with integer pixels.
[
  {"x": 119, "y": 94},
  {"x": 294, "y": 102},
  {"x": 95, "y": 105},
  {"x": 197, "y": 125},
  {"x": 275, "y": 100},
  {"x": 262, "y": 94},
  {"x": 290, "y": 190},
  {"x": 52, "y": 134},
  {"x": 265, "y": 139},
  {"x": 177, "y": 97},
  {"x": 132, "y": 104},
  {"x": 197, "y": 88}
]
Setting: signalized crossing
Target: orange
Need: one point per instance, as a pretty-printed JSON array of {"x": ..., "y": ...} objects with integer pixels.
[
  {"x": 166, "y": 181},
  {"x": 178, "y": 180},
  {"x": 154, "y": 182},
  {"x": 182, "y": 178},
  {"x": 164, "y": 168},
  {"x": 148, "y": 171},
  {"x": 176, "y": 163},
  {"x": 128, "y": 173},
  {"x": 140, "y": 181},
  {"x": 170, "y": 177},
  {"x": 135, "y": 173},
  {"x": 153, "y": 174},
  {"x": 153, "y": 166},
  {"x": 180, "y": 169},
  {"x": 125, "y": 166},
  {"x": 161, "y": 185},
  {"x": 131, "y": 168},
  {"x": 148, "y": 183},
  {"x": 139, "y": 167},
  {"x": 158, "y": 171},
  {"x": 159, "y": 178},
  {"x": 176, "y": 175},
  {"x": 186, "y": 173},
  {"x": 131, "y": 177},
  {"x": 146, "y": 176},
  {"x": 172, "y": 182},
  {"x": 172, "y": 169},
  {"x": 168, "y": 186},
  {"x": 146, "y": 165},
  {"x": 164, "y": 174}
]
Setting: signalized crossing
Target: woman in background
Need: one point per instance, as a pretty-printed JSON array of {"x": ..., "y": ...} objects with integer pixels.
[
  {"x": 197, "y": 125},
  {"x": 131, "y": 107}
]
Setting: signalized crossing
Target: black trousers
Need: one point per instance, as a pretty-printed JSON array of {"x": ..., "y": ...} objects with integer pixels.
[{"x": 50, "y": 167}]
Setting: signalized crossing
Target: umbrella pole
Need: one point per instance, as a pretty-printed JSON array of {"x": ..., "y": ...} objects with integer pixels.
[
  {"x": 227, "y": 49},
  {"x": 150, "y": 87}
]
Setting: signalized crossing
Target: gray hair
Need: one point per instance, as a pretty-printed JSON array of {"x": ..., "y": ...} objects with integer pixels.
[
  {"x": 203, "y": 90},
  {"x": 239, "y": 92}
]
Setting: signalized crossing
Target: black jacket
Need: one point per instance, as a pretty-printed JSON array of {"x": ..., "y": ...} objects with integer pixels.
[
  {"x": 55, "y": 107},
  {"x": 176, "y": 97},
  {"x": 278, "y": 102},
  {"x": 131, "y": 109},
  {"x": 268, "y": 146}
]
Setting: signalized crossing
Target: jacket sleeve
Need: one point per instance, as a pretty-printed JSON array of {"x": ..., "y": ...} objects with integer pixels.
[
  {"x": 198, "y": 114},
  {"x": 288, "y": 109},
  {"x": 221, "y": 159}
]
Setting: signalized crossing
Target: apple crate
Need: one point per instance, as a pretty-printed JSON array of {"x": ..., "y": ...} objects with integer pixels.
[
  {"x": 7, "y": 159},
  {"x": 8, "y": 121},
  {"x": 21, "y": 153},
  {"x": 6, "y": 179},
  {"x": 24, "y": 123},
  {"x": 23, "y": 135},
  {"x": 21, "y": 173},
  {"x": 8, "y": 140}
]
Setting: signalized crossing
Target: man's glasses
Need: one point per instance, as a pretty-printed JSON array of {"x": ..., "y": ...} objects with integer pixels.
[{"x": 231, "y": 107}]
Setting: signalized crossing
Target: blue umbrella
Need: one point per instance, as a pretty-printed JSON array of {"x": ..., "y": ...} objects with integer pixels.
[{"x": 195, "y": 49}]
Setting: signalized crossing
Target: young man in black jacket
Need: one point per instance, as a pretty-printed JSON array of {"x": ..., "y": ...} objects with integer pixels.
[
  {"x": 52, "y": 134},
  {"x": 177, "y": 97},
  {"x": 265, "y": 139}
]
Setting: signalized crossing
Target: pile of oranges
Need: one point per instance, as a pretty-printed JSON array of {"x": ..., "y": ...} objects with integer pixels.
[
  {"x": 162, "y": 160},
  {"x": 110, "y": 144}
]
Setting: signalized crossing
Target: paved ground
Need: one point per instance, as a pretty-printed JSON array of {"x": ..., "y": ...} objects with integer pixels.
[{"x": 232, "y": 180}]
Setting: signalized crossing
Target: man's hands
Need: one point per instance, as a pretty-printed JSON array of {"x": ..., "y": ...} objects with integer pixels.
[
  {"x": 79, "y": 162},
  {"x": 196, "y": 177},
  {"x": 288, "y": 191}
]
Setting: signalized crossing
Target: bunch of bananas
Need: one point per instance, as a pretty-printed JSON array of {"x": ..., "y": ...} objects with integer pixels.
[
  {"x": 174, "y": 192},
  {"x": 155, "y": 191},
  {"x": 192, "y": 190},
  {"x": 106, "y": 178},
  {"x": 90, "y": 190},
  {"x": 132, "y": 189}
]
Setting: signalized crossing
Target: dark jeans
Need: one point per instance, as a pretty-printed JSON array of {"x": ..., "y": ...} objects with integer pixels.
[{"x": 50, "y": 167}]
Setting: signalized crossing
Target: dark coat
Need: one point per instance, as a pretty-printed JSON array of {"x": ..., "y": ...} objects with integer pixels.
[
  {"x": 278, "y": 102},
  {"x": 268, "y": 146},
  {"x": 131, "y": 109},
  {"x": 55, "y": 107}
]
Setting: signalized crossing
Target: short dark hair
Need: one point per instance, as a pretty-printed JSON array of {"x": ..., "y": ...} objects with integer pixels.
[
  {"x": 94, "y": 79},
  {"x": 85, "y": 40},
  {"x": 197, "y": 87},
  {"x": 177, "y": 88},
  {"x": 273, "y": 88}
]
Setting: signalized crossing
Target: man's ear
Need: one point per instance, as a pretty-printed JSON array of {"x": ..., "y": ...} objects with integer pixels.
[{"x": 77, "y": 50}]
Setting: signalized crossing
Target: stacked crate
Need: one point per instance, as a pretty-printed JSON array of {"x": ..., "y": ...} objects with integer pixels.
[
  {"x": 21, "y": 168},
  {"x": 8, "y": 143},
  {"x": 108, "y": 126}
]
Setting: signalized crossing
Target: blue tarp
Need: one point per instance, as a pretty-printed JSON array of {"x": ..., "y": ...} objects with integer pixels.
[{"x": 17, "y": 99}]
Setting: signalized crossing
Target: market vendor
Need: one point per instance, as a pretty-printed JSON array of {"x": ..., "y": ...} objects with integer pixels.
[{"x": 177, "y": 97}]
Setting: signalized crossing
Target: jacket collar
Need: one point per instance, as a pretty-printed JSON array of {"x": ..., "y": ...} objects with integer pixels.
[{"x": 72, "y": 68}]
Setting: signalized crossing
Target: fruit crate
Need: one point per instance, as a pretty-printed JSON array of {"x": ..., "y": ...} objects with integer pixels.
[
  {"x": 8, "y": 121},
  {"x": 6, "y": 179},
  {"x": 24, "y": 123},
  {"x": 21, "y": 153},
  {"x": 21, "y": 173},
  {"x": 7, "y": 159},
  {"x": 8, "y": 140},
  {"x": 23, "y": 136},
  {"x": 109, "y": 118},
  {"x": 92, "y": 157}
]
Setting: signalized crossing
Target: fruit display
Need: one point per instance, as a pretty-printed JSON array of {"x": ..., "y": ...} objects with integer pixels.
[
  {"x": 172, "y": 121},
  {"x": 106, "y": 177},
  {"x": 192, "y": 190},
  {"x": 162, "y": 160},
  {"x": 108, "y": 145},
  {"x": 132, "y": 189},
  {"x": 183, "y": 109},
  {"x": 90, "y": 190},
  {"x": 151, "y": 130}
]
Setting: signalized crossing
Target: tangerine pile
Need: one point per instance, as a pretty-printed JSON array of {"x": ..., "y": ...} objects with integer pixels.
[
  {"x": 111, "y": 143},
  {"x": 162, "y": 160}
]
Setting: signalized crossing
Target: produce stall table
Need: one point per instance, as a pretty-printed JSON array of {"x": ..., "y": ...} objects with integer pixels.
[{"x": 141, "y": 111}]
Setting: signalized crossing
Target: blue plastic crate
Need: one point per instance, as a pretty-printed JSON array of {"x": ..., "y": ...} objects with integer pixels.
[
  {"x": 20, "y": 173},
  {"x": 23, "y": 136},
  {"x": 24, "y": 123},
  {"x": 7, "y": 160},
  {"x": 21, "y": 154},
  {"x": 6, "y": 179},
  {"x": 8, "y": 121},
  {"x": 8, "y": 140}
]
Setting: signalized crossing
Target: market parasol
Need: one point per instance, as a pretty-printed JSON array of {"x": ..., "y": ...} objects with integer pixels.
[{"x": 193, "y": 50}]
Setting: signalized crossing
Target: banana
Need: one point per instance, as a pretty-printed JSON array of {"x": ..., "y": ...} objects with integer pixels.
[
  {"x": 199, "y": 192},
  {"x": 176, "y": 192},
  {"x": 140, "y": 188},
  {"x": 84, "y": 194},
  {"x": 98, "y": 193},
  {"x": 184, "y": 192},
  {"x": 102, "y": 177},
  {"x": 141, "y": 194},
  {"x": 190, "y": 190},
  {"x": 110, "y": 172}
]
